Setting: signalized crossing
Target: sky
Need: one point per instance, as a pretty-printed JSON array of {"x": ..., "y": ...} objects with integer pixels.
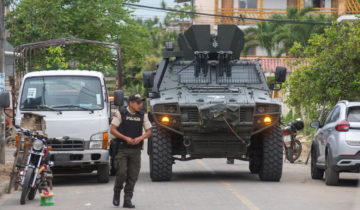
[{"x": 142, "y": 13}]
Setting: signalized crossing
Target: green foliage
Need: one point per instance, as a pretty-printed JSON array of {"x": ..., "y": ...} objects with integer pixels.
[
  {"x": 141, "y": 41},
  {"x": 333, "y": 72},
  {"x": 280, "y": 37},
  {"x": 178, "y": 16},
  {"x": 55, "y": 59}
]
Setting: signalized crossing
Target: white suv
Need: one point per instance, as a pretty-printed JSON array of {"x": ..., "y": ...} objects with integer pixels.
[{"x": 336, "y": 144}]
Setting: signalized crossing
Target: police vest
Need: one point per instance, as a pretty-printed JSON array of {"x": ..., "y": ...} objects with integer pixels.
[{"x": 131, "y": 126}]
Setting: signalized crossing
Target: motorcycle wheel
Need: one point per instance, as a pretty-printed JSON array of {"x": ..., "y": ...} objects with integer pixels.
[
  {"x": 26, "y": 186},
  {"x": 297, "y": 150},
  {"x": 294, "y": 151},
  {"x": 289, "y": 154},
  {"x": 32, "y": 194}
]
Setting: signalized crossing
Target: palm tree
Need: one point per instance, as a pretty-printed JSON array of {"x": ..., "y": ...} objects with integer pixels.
[
  {"x": 260, "y": 36},
  {"x": 287, "y": 34},
  {"x": 280, "y": 37}
]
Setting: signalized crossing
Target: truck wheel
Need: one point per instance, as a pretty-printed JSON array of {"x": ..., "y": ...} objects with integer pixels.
[
  {"x": 331, "y": 176},
  {"x": 316, "y": 173},
  {"x": 103, "y": 173},
  {"x": 255, "y": 165},
  {"x": 161, "y": 155},
  {"x": 271, "y": 167}
]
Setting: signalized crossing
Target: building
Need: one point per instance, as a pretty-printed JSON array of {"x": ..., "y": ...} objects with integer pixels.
[{"x": 265, "y": 9}]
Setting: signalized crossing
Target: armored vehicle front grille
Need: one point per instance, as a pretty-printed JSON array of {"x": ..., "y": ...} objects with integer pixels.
[
  {"x": 67, "y": 145},
  {"x": 192, "y": 114},
  {"x": 246, "y": 114}
]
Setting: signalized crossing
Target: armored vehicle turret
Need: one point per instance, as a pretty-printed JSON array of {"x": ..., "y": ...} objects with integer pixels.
[{"x": 206, "y": 102}]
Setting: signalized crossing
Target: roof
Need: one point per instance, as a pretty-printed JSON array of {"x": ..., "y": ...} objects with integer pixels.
[
  {"x": 64, "y": 73},
  {"x": 270, "y": 64}
]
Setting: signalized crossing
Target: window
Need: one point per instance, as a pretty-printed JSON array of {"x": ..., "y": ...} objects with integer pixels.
[
  {"x": 354, "y": 114},
  {"x": 248, "y": 4},
  {"x": 62, "y": 93},
  {"x": 333, "y": 116},
  {"x": 336, "y": 115}
]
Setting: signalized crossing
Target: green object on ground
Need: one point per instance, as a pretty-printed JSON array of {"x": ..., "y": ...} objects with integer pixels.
[{"x": 47, "y": 200}]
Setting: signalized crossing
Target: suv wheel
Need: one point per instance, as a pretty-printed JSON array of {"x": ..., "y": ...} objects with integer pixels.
[
  {"x": 272, "y": 157},
  {"x": 316, "y": 173},
  {"x": 160, "y": 155},
  {"x": 331, "y": 176}
]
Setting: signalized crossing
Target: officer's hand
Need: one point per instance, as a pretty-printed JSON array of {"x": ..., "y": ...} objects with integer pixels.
[
  {"x": 129, "y": 140},
  {"x": 137, "y": 140}
]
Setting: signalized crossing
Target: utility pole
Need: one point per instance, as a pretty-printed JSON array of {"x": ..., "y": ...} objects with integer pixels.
[{"x": 2, "y": 79}]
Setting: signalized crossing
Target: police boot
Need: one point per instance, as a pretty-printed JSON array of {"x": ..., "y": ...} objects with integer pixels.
[
  {"x": 128, "y": 204},
  {"x": 116, "y": 199}
]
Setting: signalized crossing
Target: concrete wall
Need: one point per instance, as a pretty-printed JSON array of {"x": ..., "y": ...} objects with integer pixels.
[{"x": 205, "y": 6}]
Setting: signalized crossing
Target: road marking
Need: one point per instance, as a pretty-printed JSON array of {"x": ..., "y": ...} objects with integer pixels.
[{"x": 247, "y": 202}]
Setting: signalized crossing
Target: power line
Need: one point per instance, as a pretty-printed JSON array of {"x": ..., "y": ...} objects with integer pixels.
[{"x": 240, "y": 17}]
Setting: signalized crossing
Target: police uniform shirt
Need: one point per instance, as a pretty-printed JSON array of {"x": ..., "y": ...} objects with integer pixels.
[{"x": 117, "y": 119}]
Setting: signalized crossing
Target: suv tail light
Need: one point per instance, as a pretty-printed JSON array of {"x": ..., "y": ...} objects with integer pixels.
[{"x": 343, "y": 126}]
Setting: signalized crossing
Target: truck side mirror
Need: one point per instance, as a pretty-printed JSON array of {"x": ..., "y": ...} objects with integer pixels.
[
  {"x": 148, "y": 79},
  {"x": 118, "y": 98},
  {"x": 280, "y": 74},
  {"x": 5, "y": 99}
]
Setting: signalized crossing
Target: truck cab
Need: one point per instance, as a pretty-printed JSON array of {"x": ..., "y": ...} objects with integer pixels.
[{"x": 77, "y": 113}]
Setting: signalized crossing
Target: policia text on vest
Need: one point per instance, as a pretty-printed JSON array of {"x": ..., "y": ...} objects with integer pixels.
[{"x": 127, "y": 126}]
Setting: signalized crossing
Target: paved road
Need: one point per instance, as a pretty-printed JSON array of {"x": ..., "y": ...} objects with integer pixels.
[{"x": 206, "y": 184}]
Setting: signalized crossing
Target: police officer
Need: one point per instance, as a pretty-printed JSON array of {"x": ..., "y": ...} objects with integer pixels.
[{"x": 127, "y": 126}]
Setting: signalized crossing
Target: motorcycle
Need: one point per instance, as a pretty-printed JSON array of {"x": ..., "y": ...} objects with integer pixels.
[
  {"x": 293, "y": 147},
  {"x": 33, "y": 176}
]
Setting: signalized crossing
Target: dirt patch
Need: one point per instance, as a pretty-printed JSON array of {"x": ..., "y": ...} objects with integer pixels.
[{"x": 5, "y": 170}]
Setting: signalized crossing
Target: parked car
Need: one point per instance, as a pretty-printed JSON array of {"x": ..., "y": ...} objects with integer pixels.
[
  {"x": 75, "y": 105},
  {"x": 336, "y": 145}
]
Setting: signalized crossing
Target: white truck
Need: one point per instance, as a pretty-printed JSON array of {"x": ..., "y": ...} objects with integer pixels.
[{"x": 77, "y": 112}]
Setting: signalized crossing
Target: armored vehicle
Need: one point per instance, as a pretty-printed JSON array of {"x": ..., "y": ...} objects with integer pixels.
[{"x": 206, "y": 102}]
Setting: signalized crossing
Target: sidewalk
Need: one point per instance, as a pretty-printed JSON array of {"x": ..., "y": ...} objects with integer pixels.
[{"x": 6, "y": 169}]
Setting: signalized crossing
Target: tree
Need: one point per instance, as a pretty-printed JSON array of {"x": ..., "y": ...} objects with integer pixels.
[
  {"x": 261, "y": 36},
  {"x": 280, "y": 37},
  {"x": 101, "y": 20},
  {"x": 332, "y": 73}
]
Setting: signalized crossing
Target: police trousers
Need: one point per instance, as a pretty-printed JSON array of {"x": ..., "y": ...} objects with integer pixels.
[{"x": 127, "y": 164}]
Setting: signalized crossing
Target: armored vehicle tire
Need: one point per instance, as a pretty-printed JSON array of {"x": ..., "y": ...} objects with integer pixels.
[
  {"x": 316, "y": 173},
  {"x": 331, "y": 176},
  {"x": 103, "y": 173},
  {"x": 160, "y": 155},
  {"x": 255, "y": 165},
  {"x": 271, "y": 166}
]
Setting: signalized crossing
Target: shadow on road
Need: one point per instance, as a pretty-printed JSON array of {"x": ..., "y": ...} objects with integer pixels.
[
  {"x": 204, "y": 176},
  {"x": 75, "y": 179}
]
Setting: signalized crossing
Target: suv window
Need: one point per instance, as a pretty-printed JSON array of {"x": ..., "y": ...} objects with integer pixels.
[
  {"x": 333, "y": 116},
  {"x": 354, "y": 114}
]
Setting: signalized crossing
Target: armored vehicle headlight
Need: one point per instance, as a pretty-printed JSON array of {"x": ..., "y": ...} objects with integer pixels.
[
  {"x": 37, "y": 145},
  {"x": 267, "y": 120},
  {"x": 165, "y": 120}
]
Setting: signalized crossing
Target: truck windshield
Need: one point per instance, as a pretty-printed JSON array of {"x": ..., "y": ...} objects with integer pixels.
[{"x": 62, "y": 93}]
